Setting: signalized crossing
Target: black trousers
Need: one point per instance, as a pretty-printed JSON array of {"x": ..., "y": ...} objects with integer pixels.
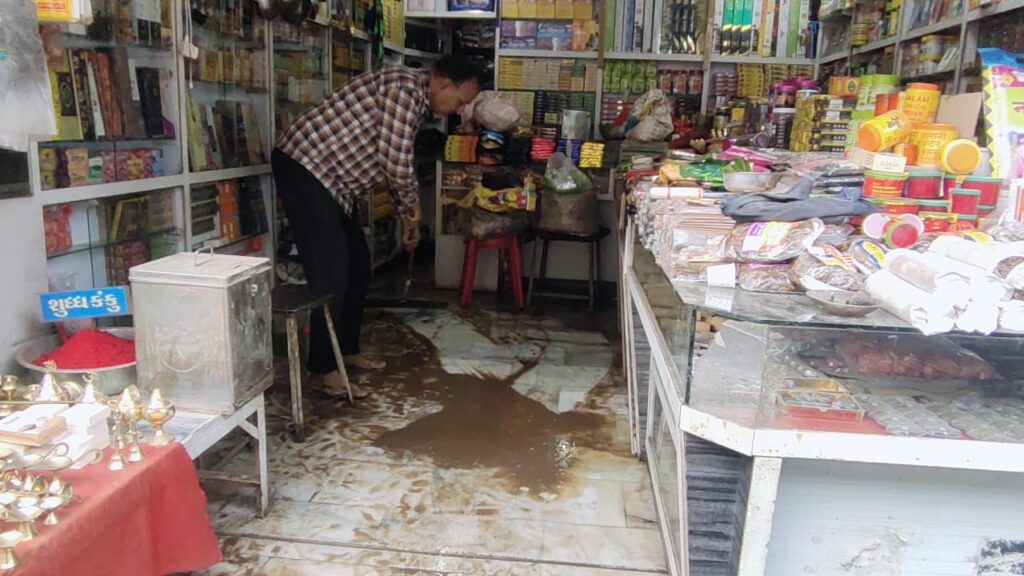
[{"x": 334, "y": 256}]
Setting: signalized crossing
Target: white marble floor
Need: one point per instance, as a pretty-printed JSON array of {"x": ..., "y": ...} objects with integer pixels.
[{"x": 493, "y": 444}]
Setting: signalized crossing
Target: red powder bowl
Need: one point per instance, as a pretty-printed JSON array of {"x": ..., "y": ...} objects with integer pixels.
[{"x": 90, "y": 349}]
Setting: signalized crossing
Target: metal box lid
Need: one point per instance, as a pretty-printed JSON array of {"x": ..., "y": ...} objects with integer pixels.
[{"x": 198, "y": 269}]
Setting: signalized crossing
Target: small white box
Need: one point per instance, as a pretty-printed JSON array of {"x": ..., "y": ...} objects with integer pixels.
[{"x": 85, "y": 416}]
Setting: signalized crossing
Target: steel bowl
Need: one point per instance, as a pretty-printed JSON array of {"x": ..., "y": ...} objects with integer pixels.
[
  {"x": 112, "y": 379},
  {"x": 848, "y": 304}
]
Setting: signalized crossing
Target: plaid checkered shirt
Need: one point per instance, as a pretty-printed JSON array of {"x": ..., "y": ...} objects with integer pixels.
[{"x": 363, "y": 131}]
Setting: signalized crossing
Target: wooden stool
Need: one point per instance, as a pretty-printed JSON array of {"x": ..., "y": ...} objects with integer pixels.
[
  {"x": 510, "y": 245},
  {"x": 540, "y": 265},
  {"x": 289, "y": 301}
]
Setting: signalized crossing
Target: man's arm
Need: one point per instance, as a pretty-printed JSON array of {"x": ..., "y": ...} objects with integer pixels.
[{"x": 400, "y": 120}]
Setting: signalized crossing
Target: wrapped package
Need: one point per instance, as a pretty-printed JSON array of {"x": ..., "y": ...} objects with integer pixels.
[
  {"x": 1003, "y": 74},
  {"x": 1011, "y": 315},
  {"x": 1005, "y": 261},
  {"x": 493, "y": 111},
  {"x": 935, "y": 275},
  {"x": 981, "y": 317},
  {"x": 920, "y": 309},
  {"x": 568, "y": 203},
  {"x": 867, "y": 255},
  {"x": 771, "y": 242},
  {"x": 651, "y": 119},
  {"x": 825, "y": 268},
  {"x": 766, "y": 278}
]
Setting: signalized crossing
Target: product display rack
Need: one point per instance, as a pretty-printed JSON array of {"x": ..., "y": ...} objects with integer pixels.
[
  {"x": 705, "y": 418},
  {"x": 964, "y": 26}
]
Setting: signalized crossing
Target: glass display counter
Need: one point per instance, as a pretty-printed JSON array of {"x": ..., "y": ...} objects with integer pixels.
[{"x": 785, "y": 440}]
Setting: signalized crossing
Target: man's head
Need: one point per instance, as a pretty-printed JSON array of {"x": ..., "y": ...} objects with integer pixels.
[{"x": 454, "y": 83}]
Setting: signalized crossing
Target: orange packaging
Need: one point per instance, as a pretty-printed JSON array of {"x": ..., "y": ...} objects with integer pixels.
[
  {"x": 843, "y": 86},
  {"x": 921, "y": 102},
  {"x": 884, "y": 131},
  {"x": 960, "y": 157},
  {"x": 929, "y": 139}
]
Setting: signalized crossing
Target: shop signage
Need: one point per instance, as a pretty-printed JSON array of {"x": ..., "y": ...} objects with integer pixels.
[{"x": 98, "y": 303}]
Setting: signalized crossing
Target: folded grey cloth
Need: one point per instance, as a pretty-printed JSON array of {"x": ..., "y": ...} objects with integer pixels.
[{"x": 797, "y": 204}]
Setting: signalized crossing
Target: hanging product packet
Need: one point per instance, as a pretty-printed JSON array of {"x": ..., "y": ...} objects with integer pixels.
[
  {"x": 26, "y": 102},
  {"x": 1003, "y": 73}
]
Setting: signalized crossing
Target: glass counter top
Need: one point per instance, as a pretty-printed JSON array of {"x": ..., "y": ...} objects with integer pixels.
[{"x": 784, "y": 309}]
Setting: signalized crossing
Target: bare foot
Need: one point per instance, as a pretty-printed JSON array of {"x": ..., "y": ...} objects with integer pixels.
[
  {"x": 333, "y": 386},
  {"x": 361, "y": 362}
]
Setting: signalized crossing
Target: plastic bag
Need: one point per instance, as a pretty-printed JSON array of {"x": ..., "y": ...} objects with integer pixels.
[
  {"x": 569, "y": 203},
  {"x": 26, "y": 102},
  {"x": 493, "y": 111},
  {"x": 483, "y": 224},
  {"x": 1007, "y": 229},
  {"x": 1003, "y": 74},
  {"x": 825, "y": 268},
  {"x": 766, "y": 278},
  {"x": 771, "y": 242},
  {"x": 652, "y": 117}
]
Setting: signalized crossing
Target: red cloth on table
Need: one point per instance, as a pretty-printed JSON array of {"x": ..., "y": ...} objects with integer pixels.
[{"x": 148, "y": 519}]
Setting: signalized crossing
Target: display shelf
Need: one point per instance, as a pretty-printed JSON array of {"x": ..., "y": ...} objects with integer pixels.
[
  {"x": 718, "y": 58},
  {"x": 841, "y": 55},
  {"x": 951, "y": 22},
  {"x": 876, "y": 45},
  {"x": 228, "y": 174},
  {"x": 421, "y": 54},
  {"x": 930, "y": 75},
  {"x": 749, "y": 440},
  {"x": 453, "y": 15},
  {"x": 87, "y": 246},
  {"x": 533, "y": 53},
  {"x": 996, "y": 8},
  {"x": 389, "y": 45},
  {"x": 658, "y": 57},
  {"x": 110, "y": 189}
]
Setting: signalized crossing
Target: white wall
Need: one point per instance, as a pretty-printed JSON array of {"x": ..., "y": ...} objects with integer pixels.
[{"x": 22, "y": 274}]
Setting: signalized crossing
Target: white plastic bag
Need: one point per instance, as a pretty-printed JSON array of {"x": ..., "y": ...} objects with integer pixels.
[
  {"x": 655, "y": 119},
  {"x": 26, "y": 104},
  {"x": 493, "y": 111}
]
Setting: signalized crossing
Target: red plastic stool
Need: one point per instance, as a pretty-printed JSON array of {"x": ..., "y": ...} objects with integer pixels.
[{"x": 510, "y": 244}]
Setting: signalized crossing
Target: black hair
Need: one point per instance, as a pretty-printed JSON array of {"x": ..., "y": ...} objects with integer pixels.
[{"x": 458, "y": 68}]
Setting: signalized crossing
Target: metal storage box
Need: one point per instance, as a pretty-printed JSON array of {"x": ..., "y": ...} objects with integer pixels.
[{"x": 203, "y": 329}]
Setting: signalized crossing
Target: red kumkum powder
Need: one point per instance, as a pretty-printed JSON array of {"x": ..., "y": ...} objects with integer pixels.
[{"x": 90, "y": 348}]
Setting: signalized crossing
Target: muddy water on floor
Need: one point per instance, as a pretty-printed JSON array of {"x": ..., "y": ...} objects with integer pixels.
[{"x": 482, "y": 422}]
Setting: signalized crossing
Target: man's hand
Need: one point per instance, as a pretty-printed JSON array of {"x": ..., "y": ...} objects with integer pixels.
[{"x": 411, "y": 227}]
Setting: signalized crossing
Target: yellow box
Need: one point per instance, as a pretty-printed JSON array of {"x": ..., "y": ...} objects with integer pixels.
[
  {"x": 510, "y": 8},
  {"x": 563, "y": 9},
  {"x": 583, "y": 9},
  {"x": 527, "y": 8},
  {"x": 546, "y": 9}
]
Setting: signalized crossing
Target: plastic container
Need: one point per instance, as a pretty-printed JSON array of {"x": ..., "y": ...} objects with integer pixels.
[
  {"x": 897, "y": 205},
  {"x": 921, "y": 102},
  {"x": 900, "y": 234},
  {"x": 932, "y": 206},
  {"x": 884, "y": 184},
  {"x": 961, "y": 222},
  {"x": 989, "y": 188},
  {"x": 964, "y": 202},
  {"x": 884, "y": 131},
  {"x": 960, "y": 156},
  {"x": 929, "y": 140},
  {"x": 950, "y": 181},
  {"x": 924, "y": 185},
  {"x": 936, "y": 221}
]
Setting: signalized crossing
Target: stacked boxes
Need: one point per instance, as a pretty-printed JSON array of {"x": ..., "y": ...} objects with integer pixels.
[{"x": 822, "y": 124}]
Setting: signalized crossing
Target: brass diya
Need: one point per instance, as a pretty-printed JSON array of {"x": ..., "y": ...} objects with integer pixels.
[
  {"x": 8, "y": 560},
  {"x": 158, "y": 412}
]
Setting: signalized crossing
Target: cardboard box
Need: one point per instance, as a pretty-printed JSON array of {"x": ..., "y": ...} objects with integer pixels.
[{"x": 881, "y": 161}]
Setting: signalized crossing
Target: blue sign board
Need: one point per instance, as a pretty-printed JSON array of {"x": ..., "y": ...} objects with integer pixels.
[{"x": 77, "y": 304}]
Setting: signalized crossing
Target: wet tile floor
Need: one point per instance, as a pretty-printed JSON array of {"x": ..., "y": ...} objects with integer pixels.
[{"x": 494, "y": 444}]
